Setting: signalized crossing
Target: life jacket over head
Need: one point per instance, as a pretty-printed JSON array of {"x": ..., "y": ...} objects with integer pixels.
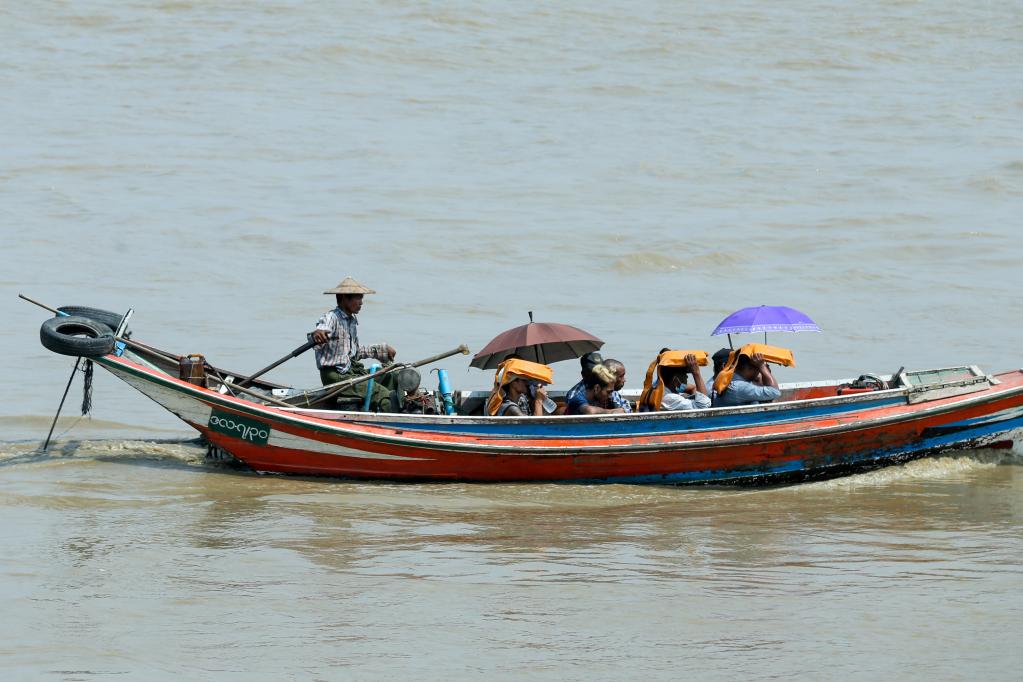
[
  {"x": 653, "y": 385},
  {"x": 774, "y": 354},
  {"x": 510, "y": 370}
]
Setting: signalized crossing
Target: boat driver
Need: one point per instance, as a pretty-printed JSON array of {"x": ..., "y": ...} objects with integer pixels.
[{"x": 338, "y": 351}]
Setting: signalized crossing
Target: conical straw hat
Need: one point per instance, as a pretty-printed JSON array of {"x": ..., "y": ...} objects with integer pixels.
[{"x": 349, "y": 286}]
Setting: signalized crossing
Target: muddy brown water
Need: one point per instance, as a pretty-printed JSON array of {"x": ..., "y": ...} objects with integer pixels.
[{"x": 639, "y": 170}]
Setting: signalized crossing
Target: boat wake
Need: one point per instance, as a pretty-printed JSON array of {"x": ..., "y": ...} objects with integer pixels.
[
  {"x": 175, "y": 452},
  {"x": 40, "y": 423},
  {"x": 958, "y": 466}
]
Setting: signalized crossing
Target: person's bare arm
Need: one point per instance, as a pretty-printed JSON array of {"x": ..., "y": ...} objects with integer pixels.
[
  {"x": 593, "y": 409},
  {"x": 765, "y": 371},
  {"x": 541, "y": 395},
  {"x": 694, "y": 370},
  {"x": 513, "y": 411}
]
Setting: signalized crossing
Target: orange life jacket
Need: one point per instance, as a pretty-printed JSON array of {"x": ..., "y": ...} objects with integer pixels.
[
  {"x": 510, "y": 370},
  {"x": 653, "y": 385},
  {"x": 779, "y": 356}
]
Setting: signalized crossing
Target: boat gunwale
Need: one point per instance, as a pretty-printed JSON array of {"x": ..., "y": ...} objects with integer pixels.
[
  {"x": 384, "y": 417},
  {"x": 286, "y": 417},
  {"x": 825, "y": 401}
]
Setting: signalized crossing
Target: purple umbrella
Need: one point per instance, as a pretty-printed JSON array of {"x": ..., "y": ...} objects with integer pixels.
[{"x": 765, "y": 318}]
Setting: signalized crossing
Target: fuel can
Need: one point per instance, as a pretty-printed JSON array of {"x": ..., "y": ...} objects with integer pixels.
[{"x": 192, "y": 368}]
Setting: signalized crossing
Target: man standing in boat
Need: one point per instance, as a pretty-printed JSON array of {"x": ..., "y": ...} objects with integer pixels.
[{"x": 338, "y": 351}]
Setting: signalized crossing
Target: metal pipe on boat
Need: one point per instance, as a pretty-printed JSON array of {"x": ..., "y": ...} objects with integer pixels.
[
  {"x": 118, "y": 339},
  {"x": 41, "y": 305},
  {"x": 129, "y": 342}
]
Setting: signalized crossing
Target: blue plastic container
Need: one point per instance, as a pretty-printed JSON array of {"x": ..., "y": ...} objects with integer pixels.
[
  {"x": 444, "y": 387},
  {"x": 369, "y": 386}
]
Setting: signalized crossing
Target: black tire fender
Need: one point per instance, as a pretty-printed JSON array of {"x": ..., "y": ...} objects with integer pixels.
[
  {"x": 102, "y": 316},
  {"x": 76, "y": 336}
]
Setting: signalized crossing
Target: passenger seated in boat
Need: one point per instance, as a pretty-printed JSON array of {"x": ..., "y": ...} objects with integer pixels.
[
  {"x": 595, "y": 398},
  {"x": 720, "y": 359},
  {"x": 666, "y": 386},
  {"x": 617, "y": 400},
  {"x": 586, "y": 362},
  {"x": 520, "y": 389},
  {"x": 747, "y": 378}
]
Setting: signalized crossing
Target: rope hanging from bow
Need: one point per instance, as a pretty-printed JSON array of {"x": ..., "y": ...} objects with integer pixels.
[{"x": 87, "y": 389}]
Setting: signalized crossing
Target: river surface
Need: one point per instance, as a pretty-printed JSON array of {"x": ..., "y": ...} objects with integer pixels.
[{"x": 639, "y": 170}]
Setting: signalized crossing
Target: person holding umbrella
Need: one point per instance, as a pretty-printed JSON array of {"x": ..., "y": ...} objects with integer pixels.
[
  {"x": 746, "y": 380},
  {"x": 512, "y": 395}
]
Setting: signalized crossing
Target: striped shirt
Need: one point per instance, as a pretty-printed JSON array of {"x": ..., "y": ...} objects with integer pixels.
[{"x": 342, "y": 348}]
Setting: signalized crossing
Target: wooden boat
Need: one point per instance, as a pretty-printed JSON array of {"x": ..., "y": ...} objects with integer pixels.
[{"x": 815, "y": 430}]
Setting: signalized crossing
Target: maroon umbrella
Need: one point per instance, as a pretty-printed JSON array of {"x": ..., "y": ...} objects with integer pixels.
[{"x": 543, "y": 342}]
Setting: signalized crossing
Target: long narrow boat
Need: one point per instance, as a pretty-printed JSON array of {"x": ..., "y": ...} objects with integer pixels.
[{"x": 815, "y": 430}]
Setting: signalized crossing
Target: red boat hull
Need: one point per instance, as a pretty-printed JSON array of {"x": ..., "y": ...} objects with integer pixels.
[{"x": 806, "y": 439}]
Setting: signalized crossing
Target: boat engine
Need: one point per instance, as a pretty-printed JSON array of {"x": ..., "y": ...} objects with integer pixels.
[
  {"x": 865, "y": 383},
  {"x": 408, "y": 398}
]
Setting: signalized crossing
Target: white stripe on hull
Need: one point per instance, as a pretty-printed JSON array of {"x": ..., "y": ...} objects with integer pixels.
[
  {"x": 292, "y": 442},
  {"x": 197, "y": 412}
]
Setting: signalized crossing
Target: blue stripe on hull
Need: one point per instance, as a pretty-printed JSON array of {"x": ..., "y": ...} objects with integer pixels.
[
  {"x": 641, "y": 427},
  {"x": 798, "y": 468}
]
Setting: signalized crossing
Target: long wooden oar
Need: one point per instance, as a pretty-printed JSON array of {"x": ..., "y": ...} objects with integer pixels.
[
  {"x": 342, "y": 385},
  {"x": 293, "y": 354}
]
